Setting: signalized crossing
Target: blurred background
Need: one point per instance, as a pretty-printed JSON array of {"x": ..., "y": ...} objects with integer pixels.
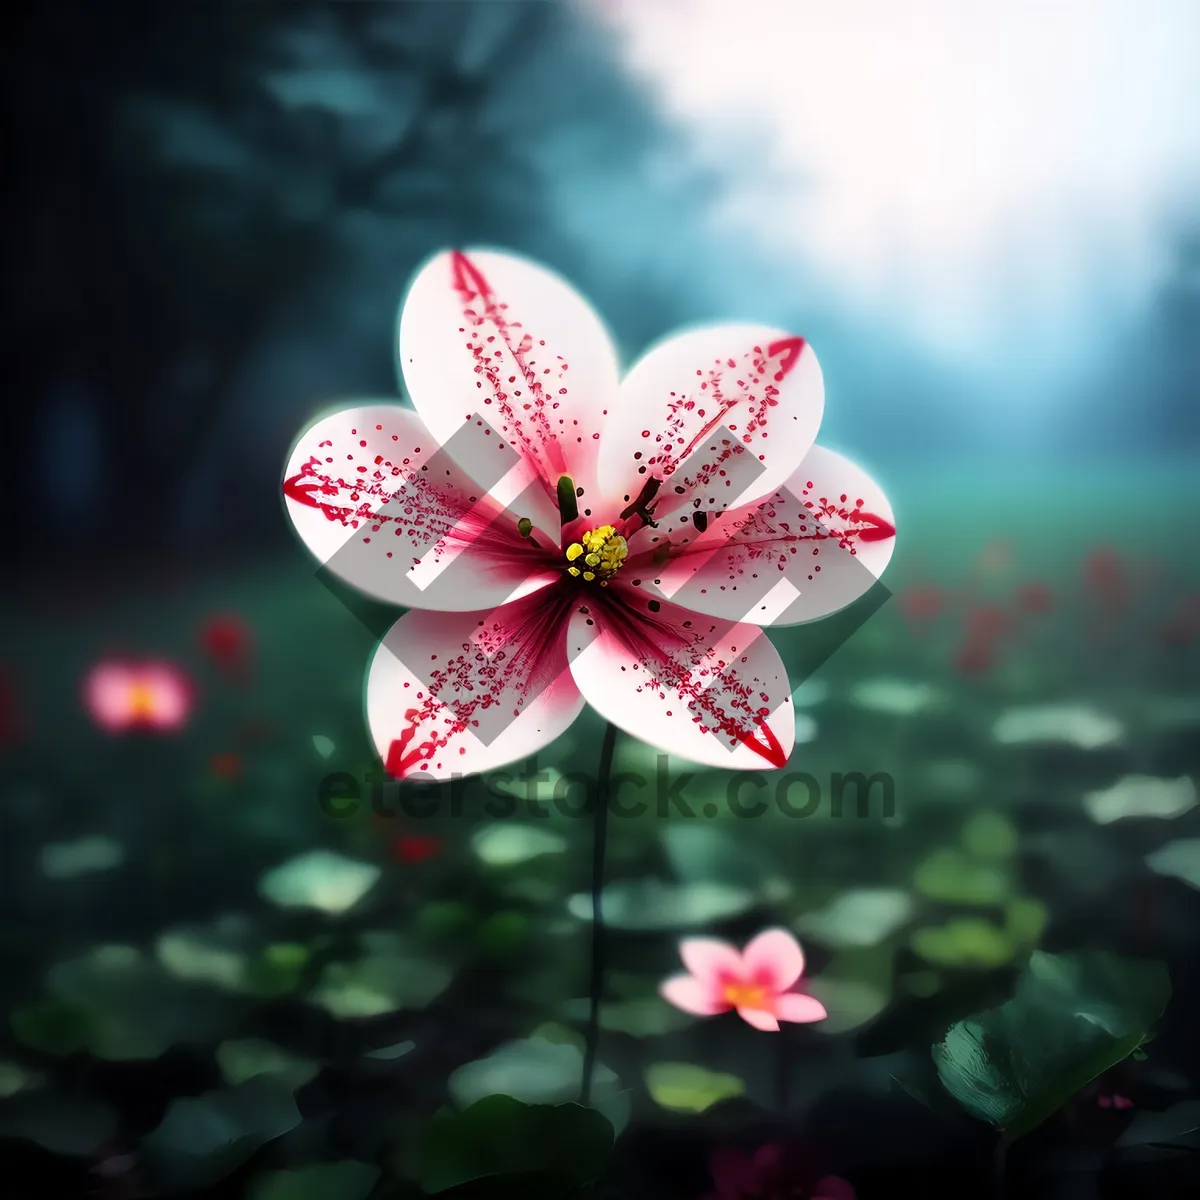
[{"x": 984, "y": 217}]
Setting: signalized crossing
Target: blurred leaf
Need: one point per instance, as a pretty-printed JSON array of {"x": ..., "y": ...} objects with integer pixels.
[
  {"x": 326, "y": 1181},
  {"x": 860, "y": 917},
  {"x": 538, "y": 1071},
  {"x": 54, "y": 1026},
  {"x": 503, "y": 933},
  {"x": 855, "y": 988},
  {"x": 13, "y": 1078},
  {"x": 990, "y": 835},
  {"x": 952, "y": 877},
  {"x": 966, "y": 942},
  {"x": 649, "y": 1016},
  {"x": 319, "y": 879},
  {"x": 1025, "y": 920},
  {"x": 1072, "y": 1018},
  {"x": 1178, "y": 860},
  {"x": 506, "y": 844},
  {"x": 442, "y": 918},
  {"x": 645, "y": 904},
  {"x": 686, "y": 1087},
  {"x": 202, "y": 1140},
  {"x": 133, "y": 1009},
  {"x": 1141, "y": 796},
  {"x": 278, "y": 970},
  {"x": 62, "y": 1124},
  {"x": 243, "y": 1058},
  {"x": 1152, "y": 1136},
  {"x": 391, "y": 974},
  {"x": 500, "y": 1136},
  {"x": 708, "y": 854}
]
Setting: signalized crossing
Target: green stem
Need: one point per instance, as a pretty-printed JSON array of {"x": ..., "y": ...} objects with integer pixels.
[
  {"x": 599, "y": 844},
  {"x": 999, "y": 1164}
]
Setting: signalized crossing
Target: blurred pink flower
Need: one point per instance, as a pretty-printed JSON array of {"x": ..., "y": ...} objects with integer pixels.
[
  {"x": 754, "y": 982},
  {"x": 771, "y": 1172},
  {"x": 121, "y": 696},
  {"x": 1113, "y": 1100}
]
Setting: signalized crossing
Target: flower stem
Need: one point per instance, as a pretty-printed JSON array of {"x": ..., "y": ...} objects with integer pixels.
[
  {"x": 999, "y": 1168},
  {"x": 599, "y": 844}
]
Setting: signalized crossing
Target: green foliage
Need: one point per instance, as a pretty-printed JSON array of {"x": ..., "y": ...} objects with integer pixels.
[
  {"x": 204, "y": 1139},
  {"x": 1072, "y": 1018},
  {"x": 686, "y": 1087},
  {"x": 536, "y": 1150}
]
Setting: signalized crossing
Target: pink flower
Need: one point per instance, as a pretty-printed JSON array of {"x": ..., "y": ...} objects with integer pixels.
[
  {"x": 563, "y": 536},
  {"x": 121, "y": 696},
  {"x": 755, "y": 982},
  {"x": 774, "y": 1170}
]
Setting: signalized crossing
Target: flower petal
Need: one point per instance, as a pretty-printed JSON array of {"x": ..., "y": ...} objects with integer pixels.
[
  {"x": 710, "y": 960},
  {"x": 733, "y": 1173},
  {"x": 695, "y": 413},
  {"x": 450, "y": 694},
  {"x": 500, "y": 336},
  {"x": 810, "y": 549},
  {"x": 106, "y": 692},
  {"x": 692, "y": 995},
  {"x": 759, "y": 1018},
  {"x": 799, "y": 1008},
  {"x": 831, "y": 1187},
  {"x": 774, "y": 959},
  {"x": 171, "y": 693},
  {"x": 713, "y": 692},
  {"x": 383, "y": 506}
]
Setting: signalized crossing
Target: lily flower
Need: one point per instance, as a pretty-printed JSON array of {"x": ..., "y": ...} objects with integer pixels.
[
  {"x": 756, "y": 983},
  {"x": 563, "y": 536},
  {"x": 121, "y": 696}
]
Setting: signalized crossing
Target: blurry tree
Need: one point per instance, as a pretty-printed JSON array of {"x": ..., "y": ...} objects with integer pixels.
[{"x": 182, "y": 176}]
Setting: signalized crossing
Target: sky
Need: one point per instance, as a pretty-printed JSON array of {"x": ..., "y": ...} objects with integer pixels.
[{"x": 980, "y": 174}]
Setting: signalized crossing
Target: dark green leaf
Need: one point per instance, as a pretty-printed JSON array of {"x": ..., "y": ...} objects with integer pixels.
[
  {"x": 1072, "y": 1018},
  {"x": 500, "y": 1136},
  {"x": 204, "y": 1139}
]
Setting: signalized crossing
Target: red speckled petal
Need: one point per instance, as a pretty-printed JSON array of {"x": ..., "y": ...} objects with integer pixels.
[
  {"x": 720, "y": 416},
  {"x": 713, "y": 692},
  {"x": 807, "y": 551},
  {"x": 378, "y": 502},
  {"x": 457, "y": 693},
  {"x": 497, "y": 335}
]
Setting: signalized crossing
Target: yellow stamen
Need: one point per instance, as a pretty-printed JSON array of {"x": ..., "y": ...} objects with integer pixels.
[
  {"x": 603, "y": 551},
  {"x": 744, "y": 995},
  {"x": 141, "y": 700}
]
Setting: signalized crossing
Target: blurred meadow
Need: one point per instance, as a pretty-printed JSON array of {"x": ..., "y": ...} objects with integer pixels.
[{"x": 213, "y": 986}]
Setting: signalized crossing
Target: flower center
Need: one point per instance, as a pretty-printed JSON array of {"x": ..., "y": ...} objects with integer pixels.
[
  {"x": 597, "y": 555},
  {"x": 745, "y": 995},
  {"x": 141, "y": 700}
]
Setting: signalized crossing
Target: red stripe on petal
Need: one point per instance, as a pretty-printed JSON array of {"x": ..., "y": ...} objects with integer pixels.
[
  {"x": 513, "y": 655},
  {"x": 525, "y": 411},
  {"x": 791, "y": 349},
  {"x": 769, "y": 747}
]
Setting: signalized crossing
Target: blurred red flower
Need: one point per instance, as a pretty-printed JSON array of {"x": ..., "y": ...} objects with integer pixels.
[
  {"x": 228, "y": 640},
  {"x": 1035, "y": 597},
  {"x": 225, "y": 766},
  {"x": 416, "y": 847},
  {"x": 921, "y": 604}
]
